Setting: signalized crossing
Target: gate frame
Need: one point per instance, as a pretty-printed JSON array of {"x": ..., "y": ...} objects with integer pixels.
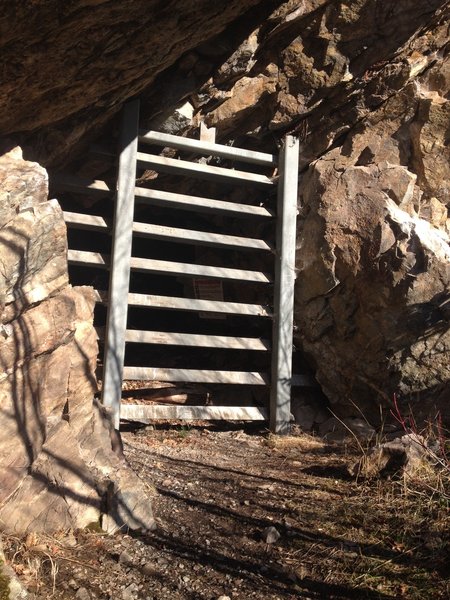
[{"x": 120, "y": 264}]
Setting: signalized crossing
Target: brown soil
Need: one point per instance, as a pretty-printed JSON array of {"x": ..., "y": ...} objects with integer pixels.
[{"x": 217, "y": 492}]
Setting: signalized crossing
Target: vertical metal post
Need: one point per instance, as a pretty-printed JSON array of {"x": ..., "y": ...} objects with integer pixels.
[
  {"x": 207, "y": 134},
  {"x": 280, "y": 392},
  {"x": 114, "y": 353}
]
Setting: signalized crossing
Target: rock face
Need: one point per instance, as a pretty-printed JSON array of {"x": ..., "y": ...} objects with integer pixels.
[
  {"x": 363, "y": 84},
  {"x": 56, "y": 459},
  {"x": 365, "y": 87},
  {"x": 372, "y": 290},
  {"x": 68, "y": 67}
]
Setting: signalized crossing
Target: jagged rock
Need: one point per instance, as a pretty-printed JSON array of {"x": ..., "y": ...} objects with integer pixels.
[
  {"x": 405, "y": 454},
  {"x": 320, "y": 72},
  {"x": 270, "y": 535},
  {"x": 56, "y": 456},
  {"x": 66, "y": 70},
  {"x": 10, "y": 586},
  {"x": 32, "y": 237},
  {"x": 372, "y": 278}
]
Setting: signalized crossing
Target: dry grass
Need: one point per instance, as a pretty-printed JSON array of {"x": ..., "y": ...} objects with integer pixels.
[
  {"x": 304, "y": 442},
  {"x": 341, "y": 537}
]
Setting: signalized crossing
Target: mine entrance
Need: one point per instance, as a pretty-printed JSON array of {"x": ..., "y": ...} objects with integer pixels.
[{"x": 195, "y": 294}]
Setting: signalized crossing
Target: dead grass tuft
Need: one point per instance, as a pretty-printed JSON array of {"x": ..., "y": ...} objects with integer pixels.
[{"x": 302, "y": 442}]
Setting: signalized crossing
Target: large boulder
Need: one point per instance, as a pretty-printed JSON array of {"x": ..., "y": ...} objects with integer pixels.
[
  {"x": 57, "y": 464},
  {"x": 373, "y": 287},
  {"x": 364, "y": 85}
]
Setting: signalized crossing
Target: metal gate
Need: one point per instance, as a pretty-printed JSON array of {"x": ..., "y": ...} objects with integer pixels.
[{"x": 280, "y": 286}]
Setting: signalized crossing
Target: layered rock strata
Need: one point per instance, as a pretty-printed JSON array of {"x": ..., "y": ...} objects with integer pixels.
[{"x": 57, "y": 466}]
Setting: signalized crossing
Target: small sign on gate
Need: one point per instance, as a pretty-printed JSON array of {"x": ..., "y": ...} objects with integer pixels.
[{"x": 206, "y": 289}]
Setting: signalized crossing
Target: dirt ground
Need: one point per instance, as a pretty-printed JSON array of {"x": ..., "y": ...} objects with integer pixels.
[{"x": 242, "y": 515}]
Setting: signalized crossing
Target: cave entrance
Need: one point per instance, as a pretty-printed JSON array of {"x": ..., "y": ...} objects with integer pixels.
[{"x": 195, "y": 296}]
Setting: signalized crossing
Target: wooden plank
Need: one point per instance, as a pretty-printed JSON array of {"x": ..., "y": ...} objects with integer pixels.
[
  {"x": 203, "y": 238},
  {"x": 207, "y": 148},
  {"x": 197, "y": 340},
  {"x": 147, "y": 413},
  {"x": 191, "y": 169},
  {"x": 79, "y": 185},
  {"x": 114, "y": 352},
  {"x": 190, "y": 304},
  {"x": 163, "y": 395},
  {"x": 199, "y": 204},
  {"x": 280, "y": 393},
  {"x": 195, "y": 376},
  {"x": 164, "y": 267},
  {"x": 172, "y": 234}
]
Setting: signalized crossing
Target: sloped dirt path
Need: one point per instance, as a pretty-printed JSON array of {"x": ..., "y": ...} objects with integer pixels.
[
  {"x": 219, "y": 496},
  {"x": 219, "y": 492}
]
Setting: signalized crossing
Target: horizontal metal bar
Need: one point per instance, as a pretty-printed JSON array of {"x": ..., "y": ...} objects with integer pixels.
[
  {"x": 164, "y": 267},
  {"x": 207, "y": 148},
  {"x": 93, "y": 259},
  {"x": 171, "y": 234},
  {"x": 79, "y": 185},
  {"x": 195, "y": 376},
  {"x": 199, "y": 204},
  {"x": 193, "y": 339},
  {"x": 146, "y": 413},
  {"x": 193, "y": 169},
  {"x": 202, "y": 238},
  {"x": 182, "y": 269},
  {"x": 192, "y": 304},
  {"x": 90, "y": 222},
  {"x": 202, "y": 376}
]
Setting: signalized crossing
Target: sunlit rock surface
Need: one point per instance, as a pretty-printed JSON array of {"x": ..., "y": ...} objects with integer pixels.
[
  {"x": 365, "y": 85},
  {"x": 56, "y": 457}
]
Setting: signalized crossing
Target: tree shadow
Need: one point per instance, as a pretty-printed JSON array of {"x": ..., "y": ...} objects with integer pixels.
[
  {"x": 36, "y": 399},
  {"x": 256, "y": 572}
]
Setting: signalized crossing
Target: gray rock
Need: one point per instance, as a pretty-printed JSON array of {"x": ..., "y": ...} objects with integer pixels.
[
  {"x": 149, "y": 569},
  {"x": 271, "y": 535},
  {"x": 130, "y": 508},
  {"x": 303, "y": 415},
  {"x": 125, "y": 558},
  {"x": 406, "y": 453},
  {"x": 82, "y": 594},
  {"x": 16, "y": 589},
  {"x": 129, "y": 593}
]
